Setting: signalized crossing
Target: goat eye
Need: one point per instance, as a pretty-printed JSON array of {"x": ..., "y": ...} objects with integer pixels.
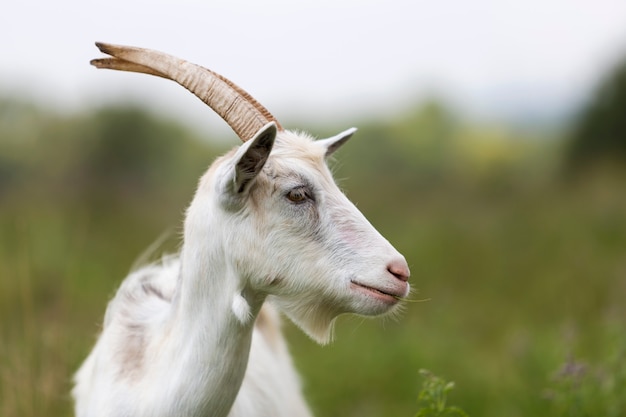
[{"x": 297, "y": 195}]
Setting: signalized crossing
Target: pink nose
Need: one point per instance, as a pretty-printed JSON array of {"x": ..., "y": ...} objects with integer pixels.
[{"x": 399, "y": 269}]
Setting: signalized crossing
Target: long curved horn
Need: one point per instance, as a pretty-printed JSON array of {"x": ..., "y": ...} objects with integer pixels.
[{"x": 242, "y": 112}]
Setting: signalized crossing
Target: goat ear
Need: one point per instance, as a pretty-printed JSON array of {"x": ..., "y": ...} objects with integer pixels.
[
  {"x": 332, "y": 144},
  {"x": 257, "y": 150}
]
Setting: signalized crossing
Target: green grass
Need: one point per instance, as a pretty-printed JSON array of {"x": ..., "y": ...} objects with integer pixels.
[
  {"x": 516, "y": 287},
  {"x": 433, "y": 397},
  {"x": 524, "y": 275}
]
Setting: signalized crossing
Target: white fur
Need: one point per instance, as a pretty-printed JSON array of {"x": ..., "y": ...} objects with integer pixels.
[{"x": 192, "y": 336}]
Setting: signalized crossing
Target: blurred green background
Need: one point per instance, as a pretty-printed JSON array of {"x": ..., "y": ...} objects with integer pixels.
[{"x": 516, "y": 238}]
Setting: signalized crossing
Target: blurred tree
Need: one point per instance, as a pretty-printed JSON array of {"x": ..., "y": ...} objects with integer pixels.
[
  {"x": 114, "y": 155},
  {"x": 132, "y": 156},
  {"x": 599, "y": 136},
  {"x": 129, "y": 150},
  {"x": 418, "y": 145}
]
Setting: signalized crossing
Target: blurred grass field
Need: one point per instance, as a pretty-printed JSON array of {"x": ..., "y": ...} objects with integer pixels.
[{"x": 519, "y": 271}]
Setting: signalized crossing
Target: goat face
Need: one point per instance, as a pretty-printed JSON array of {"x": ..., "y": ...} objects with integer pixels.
[{"x": 294, "y": 236}]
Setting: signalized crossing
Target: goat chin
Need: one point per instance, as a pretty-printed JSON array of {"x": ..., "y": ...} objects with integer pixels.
[{"x": 268, "y": 229}]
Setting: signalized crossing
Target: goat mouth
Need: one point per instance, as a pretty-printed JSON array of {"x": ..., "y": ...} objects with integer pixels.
[{"x": 382, "y": 295}]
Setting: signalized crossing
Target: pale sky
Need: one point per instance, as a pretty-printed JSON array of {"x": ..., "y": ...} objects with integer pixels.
[{"x": 319, "y": 59}]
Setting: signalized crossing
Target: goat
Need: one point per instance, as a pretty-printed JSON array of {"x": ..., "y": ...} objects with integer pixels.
[{"x": 194, "y": 335}]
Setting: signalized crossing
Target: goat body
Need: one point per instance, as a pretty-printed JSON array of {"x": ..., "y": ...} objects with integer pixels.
[{"x": 199, "y": 335}]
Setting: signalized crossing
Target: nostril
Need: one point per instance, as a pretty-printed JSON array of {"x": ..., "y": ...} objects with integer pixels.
[{"x": 399, "y": 269}]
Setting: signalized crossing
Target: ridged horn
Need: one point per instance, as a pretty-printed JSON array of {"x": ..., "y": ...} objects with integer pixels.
[{"x": 242, "y": 112}]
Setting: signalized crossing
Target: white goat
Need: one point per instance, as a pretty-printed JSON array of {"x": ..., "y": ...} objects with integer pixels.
[{"x": 192, "y": 336}]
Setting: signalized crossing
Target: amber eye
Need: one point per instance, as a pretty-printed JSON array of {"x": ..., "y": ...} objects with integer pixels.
[{"x": 297, "y": 195}]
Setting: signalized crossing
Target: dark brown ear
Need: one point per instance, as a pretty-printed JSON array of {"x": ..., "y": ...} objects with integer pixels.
[{"x": 255, "y": 156}]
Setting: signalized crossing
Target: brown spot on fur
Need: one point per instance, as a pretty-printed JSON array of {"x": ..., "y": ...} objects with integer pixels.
[
  {"x": 268, "y": 324},
  {"x": 131, "y": 353}
]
